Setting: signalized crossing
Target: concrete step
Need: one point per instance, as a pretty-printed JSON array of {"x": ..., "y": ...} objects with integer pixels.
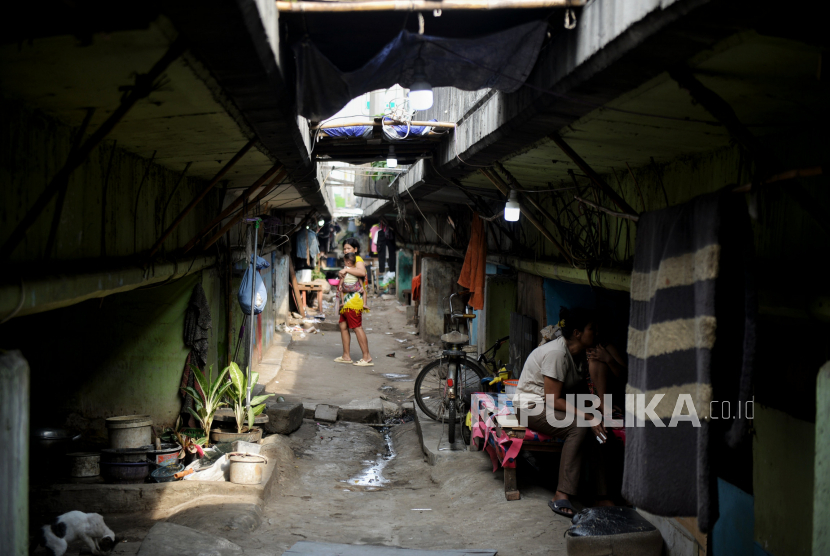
[{"x": 433, "y": 437}]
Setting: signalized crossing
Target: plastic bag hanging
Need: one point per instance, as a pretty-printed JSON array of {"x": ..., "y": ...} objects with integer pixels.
[{"x": 244, "y": 295}]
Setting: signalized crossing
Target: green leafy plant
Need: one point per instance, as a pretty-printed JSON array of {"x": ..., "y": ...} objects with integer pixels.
[
  {"x": 238, "y": 396},
  {"x": 210, "y": 398}
]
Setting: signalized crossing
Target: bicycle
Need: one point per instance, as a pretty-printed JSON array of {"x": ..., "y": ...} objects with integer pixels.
[{"x": 444, "y": 387}]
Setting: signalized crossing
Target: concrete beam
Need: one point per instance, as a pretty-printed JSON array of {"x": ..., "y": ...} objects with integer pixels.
[{"x": 53, "y": 291}]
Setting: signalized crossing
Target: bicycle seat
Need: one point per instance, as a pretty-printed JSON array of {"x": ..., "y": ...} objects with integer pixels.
[{"x": 455, "y": 337}]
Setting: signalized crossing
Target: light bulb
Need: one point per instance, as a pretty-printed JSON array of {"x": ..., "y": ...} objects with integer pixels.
[
  {"x": 420, "y": 92},
  {"x": 511, "y": 208},
  {"x": 420, "y": 98},
  {"x": 391, "y": 159},
  {"x": 321, "y": 222}
]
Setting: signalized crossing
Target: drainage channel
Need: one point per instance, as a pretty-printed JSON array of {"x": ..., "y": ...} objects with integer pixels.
[{"x": 372, "y": 476}]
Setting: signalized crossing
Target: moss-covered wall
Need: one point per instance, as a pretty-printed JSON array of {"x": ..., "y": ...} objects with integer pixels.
[
  {"x": 121, "y": 355},
  {"x": 115, "y": 202}
]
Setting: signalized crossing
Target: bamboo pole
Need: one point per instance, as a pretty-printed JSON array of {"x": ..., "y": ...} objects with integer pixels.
[
  {"x": 231, "y": 208},
  {"x": 790, "y": 175},
  {"x": 142, "y": 89},
  {"x": 496, "y": 180},
  {"x": 201, "y": 196},
  {"x": 416, "y": 123},
  {"x": 423, "y": 5},
  {"x": 603, "y": 209}
]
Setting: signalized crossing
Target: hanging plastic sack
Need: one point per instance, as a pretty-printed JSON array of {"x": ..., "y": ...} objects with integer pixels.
[
  {"x": 244, "y": 295},
  {"x": 261, "y": 263}
]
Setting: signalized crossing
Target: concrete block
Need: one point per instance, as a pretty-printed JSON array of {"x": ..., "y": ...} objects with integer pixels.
[
  {"x": 326, "y": 413},
  {"x": 362, "y": 411},
  {"x": 438, "y": 280},
  {"x": 308, "y": 410},
  {"x": 284, "y": 417},
  {"x": 169, "y": 539}
]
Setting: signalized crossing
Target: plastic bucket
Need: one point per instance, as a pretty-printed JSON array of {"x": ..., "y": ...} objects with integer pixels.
[
  {"x": 510, "y": 386},
  {"x": 304, "y": 276},
  {"x": 168, "y": 455},
  {"x": 331, "y": 261},
  {"x": 129, "y": 431}
]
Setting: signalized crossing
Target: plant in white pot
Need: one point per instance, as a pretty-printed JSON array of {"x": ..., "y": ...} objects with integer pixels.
[{"x": 237, "y": 394}]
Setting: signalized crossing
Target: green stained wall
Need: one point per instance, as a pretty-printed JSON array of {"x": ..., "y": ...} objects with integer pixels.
[
  {"x": 499, "y": 301},
  {"x": 120, "y": 355},
  {"x": 783, "y": 482}
]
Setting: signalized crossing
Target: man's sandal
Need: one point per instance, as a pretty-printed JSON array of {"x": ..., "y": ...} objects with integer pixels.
[
  {"x": 341, "y": 360},
  {"x": 363, "y": 363},
  {"x": 560, "y": 505}
]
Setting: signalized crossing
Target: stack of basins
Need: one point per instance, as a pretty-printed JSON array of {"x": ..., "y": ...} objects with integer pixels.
[{"x": 132, "y": 456}]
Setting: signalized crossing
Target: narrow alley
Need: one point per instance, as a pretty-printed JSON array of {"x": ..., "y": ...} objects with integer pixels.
[{"x": 414, "y": 278}]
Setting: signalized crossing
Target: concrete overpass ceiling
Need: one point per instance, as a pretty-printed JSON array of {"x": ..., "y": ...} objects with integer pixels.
[
  {"x": 770, "y": 82},
  {"x": 182, "y": 122}
]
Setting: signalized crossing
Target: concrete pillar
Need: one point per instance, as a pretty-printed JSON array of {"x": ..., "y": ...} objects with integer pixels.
[
  {"x": 403, "y": 274},
  {"x": 438, "y": 280},
  {"x": 821, "y": 488},
  {"x": 14, "y": 465},
  {"x": 499, "y": 301},
  {"x": 281, "y": 287}
]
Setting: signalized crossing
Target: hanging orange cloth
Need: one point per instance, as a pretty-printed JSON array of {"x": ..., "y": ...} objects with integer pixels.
[
  {"x": 475, "y": 264},
  {"x": 416, "y": 288}
]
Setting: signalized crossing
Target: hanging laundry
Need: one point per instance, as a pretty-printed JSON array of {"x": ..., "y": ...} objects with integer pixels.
[
  {"x": 474, "y": 269},
  {"x": 308, "y": 247},
  {"x": 691, "y": 336}
]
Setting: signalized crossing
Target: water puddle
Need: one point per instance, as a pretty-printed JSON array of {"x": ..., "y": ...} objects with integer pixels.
[
  {"x": 395, "y": 377},
  {"x": 372, "y": 476}
]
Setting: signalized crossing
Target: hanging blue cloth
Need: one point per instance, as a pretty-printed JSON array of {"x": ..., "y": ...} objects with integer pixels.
[
  {"x": 401, "y": 130},
  {"x": 356, "y": 131},
  {"x": 307, "y": 239}
]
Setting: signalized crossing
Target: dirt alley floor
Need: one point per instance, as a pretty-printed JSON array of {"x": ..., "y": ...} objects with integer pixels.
[{"x": 457, "y": 504}]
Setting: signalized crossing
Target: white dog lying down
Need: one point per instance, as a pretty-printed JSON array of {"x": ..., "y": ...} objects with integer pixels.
[{"x": 71, "y": 526}]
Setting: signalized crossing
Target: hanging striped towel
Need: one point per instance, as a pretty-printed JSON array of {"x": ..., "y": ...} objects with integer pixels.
[{"x": 692, "y": 332}]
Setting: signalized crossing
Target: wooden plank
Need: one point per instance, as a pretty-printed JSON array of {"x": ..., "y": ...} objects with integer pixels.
[
  {"x": 523, "y": 332},
  {"x": 310, "y": 548}
]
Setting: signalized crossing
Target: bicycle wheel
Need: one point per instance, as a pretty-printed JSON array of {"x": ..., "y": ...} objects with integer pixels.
[{"x": 431, "y": 386}]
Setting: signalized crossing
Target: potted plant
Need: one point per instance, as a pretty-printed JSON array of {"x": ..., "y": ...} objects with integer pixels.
[
  {"x": 237, "y": 394},
  {"x": 209, "y": 398},
  {"x": 189, "y": 440}
]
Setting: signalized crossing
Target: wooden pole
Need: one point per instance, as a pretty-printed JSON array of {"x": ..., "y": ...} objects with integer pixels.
[
  {"x": 619, "y": 201},
  {"x": 265, "y": 191},
  {"x": 423, "y": 5},
  {"x": 201, "y": 196},
  {"x": 603, "y": 209},
  {"x": 231, "y": 208},
  {"x": 496, "y": 180},
  {"x": 142, "y": 89},
  {"x": 379, "y": 124},
  {"x": 790, "y": 175}
]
